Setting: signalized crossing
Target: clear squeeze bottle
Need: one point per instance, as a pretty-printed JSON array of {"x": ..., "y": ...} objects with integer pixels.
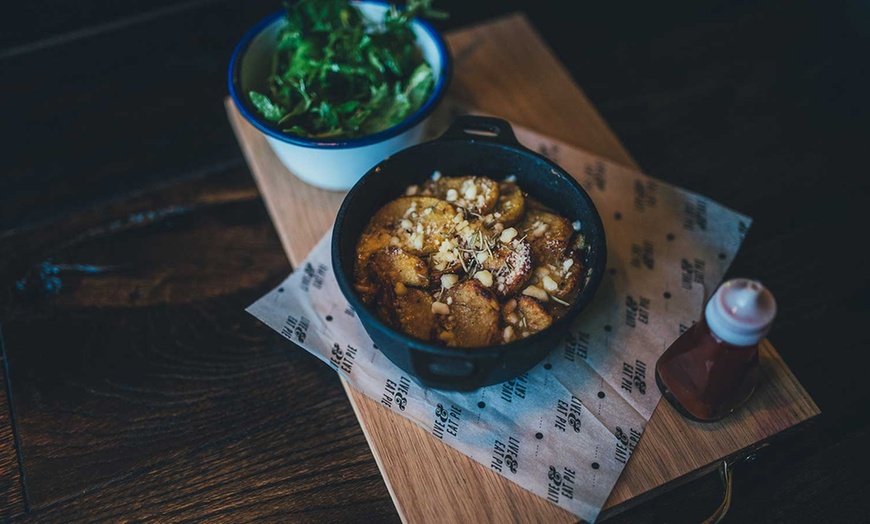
[{"x": 712, "y": 368}]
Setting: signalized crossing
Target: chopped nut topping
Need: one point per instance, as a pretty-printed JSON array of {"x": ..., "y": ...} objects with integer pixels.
[
  {"x": 412, "y": 190},
  {"x": 536, "y": 292},
  {"x": 417, "y": 241},
  {"x": 508, "y": 334},
  {"x": 448, "y": 281},
  {"x": 541, "y": 272},
  {"x": 538, "y": 229},
  {"x": 440, "y": 308},
  {"x": 549, "y": 284},
  {"x": 469, "y": 191},
  {"x": 485, "y": 278},
  {"x": 400, "y": 288},
  {"x": 566, "y": 265},
  {"x": 451, "y": 195},
  {"x": 508, "y": 234}
]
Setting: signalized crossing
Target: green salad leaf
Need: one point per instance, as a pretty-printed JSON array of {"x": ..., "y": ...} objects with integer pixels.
[{"x": 335, "y": 74}]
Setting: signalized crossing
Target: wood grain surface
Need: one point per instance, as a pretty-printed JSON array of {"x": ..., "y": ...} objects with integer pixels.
[
  {"x": 142, "y": 391},
  {"x": 116, "y": 147},
  {"x": 11, "y": 486},
  {"x": 430, "y": 481}
]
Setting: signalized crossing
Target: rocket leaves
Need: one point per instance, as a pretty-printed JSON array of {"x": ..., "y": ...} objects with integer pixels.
[{"x": 335, "y": 74}]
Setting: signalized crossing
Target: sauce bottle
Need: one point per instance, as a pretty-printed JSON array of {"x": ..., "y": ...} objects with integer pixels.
[{"x": 712, "y": 368}]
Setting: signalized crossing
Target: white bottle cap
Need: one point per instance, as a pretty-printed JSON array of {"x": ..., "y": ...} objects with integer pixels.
[{"x": 740, "y": 312}]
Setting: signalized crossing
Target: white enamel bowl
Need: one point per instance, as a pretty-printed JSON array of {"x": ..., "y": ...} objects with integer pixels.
[{"x": 332, "y": 164}]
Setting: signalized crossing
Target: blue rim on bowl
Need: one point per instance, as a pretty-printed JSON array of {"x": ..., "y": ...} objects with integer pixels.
[{"x": 273, "y": 131}]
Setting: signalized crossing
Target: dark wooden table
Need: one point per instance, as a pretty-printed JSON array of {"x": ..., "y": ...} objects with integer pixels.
[{"x": 133, "y": 385}]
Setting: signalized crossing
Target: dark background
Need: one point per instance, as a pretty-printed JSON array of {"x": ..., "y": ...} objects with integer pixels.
[{"x": 141, "y": 390}]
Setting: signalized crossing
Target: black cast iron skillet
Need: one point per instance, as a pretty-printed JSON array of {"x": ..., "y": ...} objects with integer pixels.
[{"x": 480, "y": 146}]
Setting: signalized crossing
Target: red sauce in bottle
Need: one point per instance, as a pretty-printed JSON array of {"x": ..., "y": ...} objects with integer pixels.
[{"x": 712, "y": 368}]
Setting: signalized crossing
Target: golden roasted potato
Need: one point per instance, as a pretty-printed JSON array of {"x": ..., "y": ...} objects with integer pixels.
[
  {"x": 473, "y": 316},
  {"x": 414, "y": 314},
  {"x": 371, "y": 240},
  {"x": 560, "y": 277},
  {"x": 386, "y": 266},
  {"x": 548, "y": 233},
  {"x": 475, "y": 193},
  {"x": 406, "y": 309},
  {"x": 416, "y": 224},
  {"x": 524, "y": 315},
  {"x": 395, "y": 265},
  {"x": 511, "y": 204},
  {"x": 510, "y": 265}
]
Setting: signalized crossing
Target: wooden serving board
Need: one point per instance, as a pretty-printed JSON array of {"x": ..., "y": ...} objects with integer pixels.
[{"x": 504, "y": 68}]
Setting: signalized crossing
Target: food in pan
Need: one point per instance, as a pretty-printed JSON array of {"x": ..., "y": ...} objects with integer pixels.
[{"x": 469, "y": 261}]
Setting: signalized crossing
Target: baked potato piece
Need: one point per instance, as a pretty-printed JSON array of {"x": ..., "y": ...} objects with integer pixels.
[
  {"x": 548, "y": 233},
  {"x": 416, "y": 224},
  {"x": 414, "y": 314},
  {"x": 510, "y": 265},
  {"x": 560, "y": 277},
  {"x": 385, "y": 266},
  {"x": 524, "y": 316},
  {"x": 393, "y": 264},
  {"x": 406, "y": 309},
  {"x": 477, "y": 194},
  {"x": 510, "y": 206},
  {"x": 577, "y": 275},
  {"x": 372, "y": 239},
  {"x": 473, "y": 316}
]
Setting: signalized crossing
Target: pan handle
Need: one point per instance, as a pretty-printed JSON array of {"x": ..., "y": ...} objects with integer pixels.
[
  {"x": 481, "y": 128},
  {"x": 444, "y": 372}
]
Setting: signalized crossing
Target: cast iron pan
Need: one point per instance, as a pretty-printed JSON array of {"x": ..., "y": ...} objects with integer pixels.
[{"x": 480, "y": 146}]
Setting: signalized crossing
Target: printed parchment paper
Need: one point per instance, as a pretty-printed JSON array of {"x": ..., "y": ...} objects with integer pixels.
[{"x": 565, "y": 429}]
